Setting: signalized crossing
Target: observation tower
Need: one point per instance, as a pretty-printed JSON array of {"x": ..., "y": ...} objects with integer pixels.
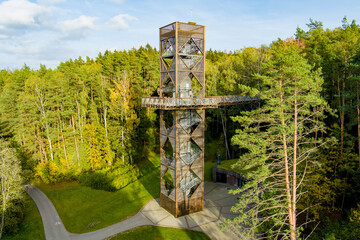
[{"x": 182, "y": 105}]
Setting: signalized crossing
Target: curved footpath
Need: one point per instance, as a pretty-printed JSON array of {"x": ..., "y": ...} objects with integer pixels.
[{"x": 218, "y": 203}]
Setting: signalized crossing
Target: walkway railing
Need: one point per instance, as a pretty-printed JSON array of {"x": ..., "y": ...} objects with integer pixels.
[{"x": 207, "y": 102}]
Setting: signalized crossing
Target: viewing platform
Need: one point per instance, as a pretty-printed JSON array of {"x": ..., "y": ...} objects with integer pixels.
[{"x": 196, "y": 103}]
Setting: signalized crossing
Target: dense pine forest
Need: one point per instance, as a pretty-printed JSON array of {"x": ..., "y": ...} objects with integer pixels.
[{"x": 84, "y": 121}]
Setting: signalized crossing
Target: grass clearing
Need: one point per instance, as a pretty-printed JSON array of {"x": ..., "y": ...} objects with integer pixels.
[
  {"x": 227, "y": 164},
  {"x": 31, "y": 228},
  {"x": 158, "y": 233},
  {"x": 83, "y": 209}
]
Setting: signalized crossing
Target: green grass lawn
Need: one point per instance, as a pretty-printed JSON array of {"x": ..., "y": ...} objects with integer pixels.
[
  {"x": 83, "y": 209},
  {"x": 227, "y": 164},
  {"x": 31, "y": 228},
  {"x": 157, "y": 233}
]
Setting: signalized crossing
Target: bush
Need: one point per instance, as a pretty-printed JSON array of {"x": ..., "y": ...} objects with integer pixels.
[
  {"x": 110, "y": 180},
  {"x": 14, "y": 216},
  {"x": 50, "y": 172},
  {"x": 341, "y": 230},
  {"x": 46, "y": 171},
  {"x": 97, "y": 180},
  {"x": 124, "y": 175}
]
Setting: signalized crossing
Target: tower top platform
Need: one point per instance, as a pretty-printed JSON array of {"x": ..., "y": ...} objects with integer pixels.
[
  {"x": 181, "y": 29},
  {"x": 182, "y": 71}
]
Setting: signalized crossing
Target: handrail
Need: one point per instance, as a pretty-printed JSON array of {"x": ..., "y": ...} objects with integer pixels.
[{"x": 206, "y": 102}]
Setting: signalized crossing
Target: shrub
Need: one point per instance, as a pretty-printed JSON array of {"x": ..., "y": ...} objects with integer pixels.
[
  {"x": 124, "y": 175},
  {"x": 97, "y": 180},
  {"x": 110, "y": 180},
  {"x": 47, "y": 171},
  {"x": 341, "y": 230},
  {"x": 14, "y": 216},
  {"x": 50, "y": 172}
]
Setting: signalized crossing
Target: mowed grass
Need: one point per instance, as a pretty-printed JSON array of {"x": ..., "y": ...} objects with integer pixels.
[
  {"x": 31, "y": 228},
  {"x": 227, "y": 164},
  {"x": 83, "y": 209},
  {"x": 157, "y": 233}
]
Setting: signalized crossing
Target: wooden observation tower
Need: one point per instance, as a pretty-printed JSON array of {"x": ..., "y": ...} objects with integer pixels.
[{"x": 182, "y": 102}]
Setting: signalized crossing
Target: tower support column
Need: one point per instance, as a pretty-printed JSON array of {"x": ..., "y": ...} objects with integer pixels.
[{"x": 182, "y": 161}]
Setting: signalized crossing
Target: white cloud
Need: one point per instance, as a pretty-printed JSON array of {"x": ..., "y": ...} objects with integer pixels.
[
  {"x": 78, "y": 28},
  {"x": 118, "y": 1},
  {"x": 81, "y": 23},
  {"x": 20, "y": 13},
  {"x": 23, "y": 50},
  {"x": 50, "y": 2},
  {"x": 121, "y": 21},
  {"x": 3, "y": 36}
]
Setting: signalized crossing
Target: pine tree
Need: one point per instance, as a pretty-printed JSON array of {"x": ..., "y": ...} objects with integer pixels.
[
  {"x": 98, "y": 148},
  {"x": 13, "y": 86},
  {"x": 279, "y": 140}
]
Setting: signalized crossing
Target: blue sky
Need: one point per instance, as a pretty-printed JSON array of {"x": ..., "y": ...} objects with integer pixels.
[{"x": 35, "y": 32}]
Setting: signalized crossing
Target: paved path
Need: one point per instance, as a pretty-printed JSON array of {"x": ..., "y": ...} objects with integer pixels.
[{"x": 217, "y": 207}]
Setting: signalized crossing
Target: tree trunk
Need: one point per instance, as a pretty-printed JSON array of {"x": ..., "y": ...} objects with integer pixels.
[
  {"x": 42, "y": 150},
  {"x": 63, "y": 139},
  {"x": 227, "y": 152},
  {"x": 294, "y": 183},
  {"x": 341, "y": 121},
  {"x": 91, "y": 161},
  {"x": 287, "y": 172},
  {"x": 343, "y": 115},
  {"x": 41, "y": 108},
  {"x": 358, "y": 116},
  {"x": 105, "y": 122},
  {"x": 316, "y": 132},
  {"x": 79, "y": 119},
  {"x": 122, "y": 145},
  {"x": 49, "y": 139},
  {"x": 75, "y": 141}
]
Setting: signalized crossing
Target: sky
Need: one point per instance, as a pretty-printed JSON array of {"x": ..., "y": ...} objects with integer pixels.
[{"x": 49, "y": 32}]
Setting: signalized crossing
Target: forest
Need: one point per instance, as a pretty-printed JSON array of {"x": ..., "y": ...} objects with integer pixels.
[{"x": 83, "y": 121}]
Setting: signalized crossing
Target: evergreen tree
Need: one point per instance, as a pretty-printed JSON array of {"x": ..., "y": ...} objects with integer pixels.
[
  {"x": 279, "y": 141},
  {"x": 13, "y": 86},
  {"x": 333, "y": 51}
]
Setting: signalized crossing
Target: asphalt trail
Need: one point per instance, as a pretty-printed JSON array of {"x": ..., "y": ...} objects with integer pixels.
[{"x": 217, "y": 207}]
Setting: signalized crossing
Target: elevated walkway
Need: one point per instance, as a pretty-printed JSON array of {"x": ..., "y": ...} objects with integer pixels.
[{"x": 195, "y": 103}]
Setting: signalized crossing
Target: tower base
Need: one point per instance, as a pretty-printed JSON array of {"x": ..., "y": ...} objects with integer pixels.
[{"x": 182, "y": 208}]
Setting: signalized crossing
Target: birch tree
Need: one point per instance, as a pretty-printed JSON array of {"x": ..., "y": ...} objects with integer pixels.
[
  {"x": 37, "y": 87},
  {"x": 122, "y": 109},
  {"x": 10, "y": 179}
]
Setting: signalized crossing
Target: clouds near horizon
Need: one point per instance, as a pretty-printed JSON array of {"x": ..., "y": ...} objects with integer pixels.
[
  {"x": 51, "y": 31},
  {"x": 21, "y": 14},
  {"x": 122, "y": 21}
]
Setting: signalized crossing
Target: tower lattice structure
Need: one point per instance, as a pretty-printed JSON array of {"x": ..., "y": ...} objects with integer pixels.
[{"x": 182, "y": 102}]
